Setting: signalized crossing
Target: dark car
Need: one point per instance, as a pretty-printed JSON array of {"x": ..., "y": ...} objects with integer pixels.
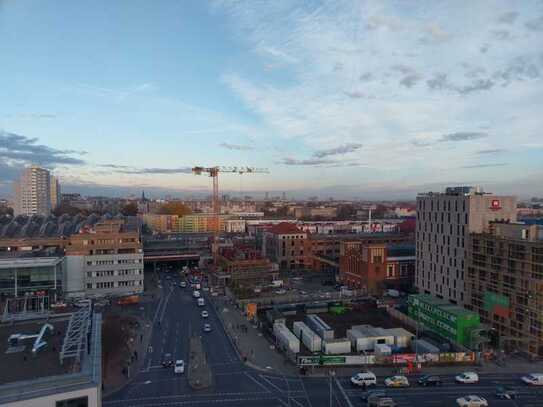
[
  {"x": 506, "y": 392},
  {"x": 430, "y": 381},
  {"x": 167, "y": 360},
  {"x": 372, "y": 394}
]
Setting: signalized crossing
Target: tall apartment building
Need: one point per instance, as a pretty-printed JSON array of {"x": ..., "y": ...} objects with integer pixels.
[
  {"x": 33, "y": 192},
  {"x": 444, "y": 222},
  {"x": 55, "y": 192},
  {"x": 284, "y": 244},
  {"x": 106, "y": 260},
  {"x": 504, "y": 283}
]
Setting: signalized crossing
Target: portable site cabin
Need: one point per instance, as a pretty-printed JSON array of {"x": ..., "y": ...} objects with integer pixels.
[{"x": 370, "y": 336}]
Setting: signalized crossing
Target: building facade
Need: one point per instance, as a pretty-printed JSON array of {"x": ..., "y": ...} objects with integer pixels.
[
  {"x": 33, "y": 192},
  {"x": 375, "y": 267},
  {"x": 284, "y": 245},
  {"x": 55, "y": 192},
  {"x": 444, "y": 222},
  {"x": 504, "y": 283},
  {"x": 106, "y": 260}
]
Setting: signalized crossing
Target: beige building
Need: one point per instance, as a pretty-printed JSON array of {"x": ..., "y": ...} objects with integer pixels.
[
  {"x": 504, "y": 284},
  {"x": 33, "y": 192},
  {"x": 444, "y": 222},
  {"x": 106, "y": 260},
  {"x": 55, "y": 192}
]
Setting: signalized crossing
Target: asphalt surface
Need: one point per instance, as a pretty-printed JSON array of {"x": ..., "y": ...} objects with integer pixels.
[{"x": 177, "y": 316}]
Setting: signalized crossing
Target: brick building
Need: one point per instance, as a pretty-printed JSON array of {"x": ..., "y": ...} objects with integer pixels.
[
  {"x": 284, "y": 244},
  {"x": 504, "y": 283}
]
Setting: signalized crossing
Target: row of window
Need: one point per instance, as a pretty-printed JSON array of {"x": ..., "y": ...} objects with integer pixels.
[
  {"x": 111, "y": 273},
  {"x": 110, "y": 262},
  {"x": 114, "y": 284}
]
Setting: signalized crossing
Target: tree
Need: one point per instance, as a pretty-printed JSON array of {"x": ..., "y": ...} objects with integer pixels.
[
  {"x": 174, "y": 208},
  {"x": 130, "y": 209}
]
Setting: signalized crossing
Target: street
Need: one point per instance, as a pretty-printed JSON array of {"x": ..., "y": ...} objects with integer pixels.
[{"x": 176, "y": 317}]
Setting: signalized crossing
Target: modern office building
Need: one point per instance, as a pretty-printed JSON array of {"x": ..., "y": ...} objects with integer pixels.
[
  {"x": 504, "y": 283},
  {"x": 105, "y": 260},
  {"x": 55, "y": 192},
  {"x": 33, "y": 192},
  {"x": 32, "y": 273},
  {"x": 444, "y": 222}
]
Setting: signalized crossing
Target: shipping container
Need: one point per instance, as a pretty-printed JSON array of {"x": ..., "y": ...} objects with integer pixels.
[
  {"x": 285, "y": 338},
  {"x": 320, "y": 327},
  {"x": 309, "y": 338},
  {"x": 336, "y": 346}
]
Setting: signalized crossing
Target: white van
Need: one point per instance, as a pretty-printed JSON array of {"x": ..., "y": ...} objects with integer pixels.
[
  {"x": 533, "y": 379},
  {"x": 365, "y": 378},
  {"x": 196, "y": 294},
  {"x": 201, "y": 302}
]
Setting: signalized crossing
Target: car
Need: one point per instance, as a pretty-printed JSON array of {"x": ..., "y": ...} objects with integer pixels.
[
  {"x": 506, "y": 392},
  {"x": 365, "y": 378},
  {"x": 467, "y": 377},
  {"x": 471, "y": 401},
  {"x": 207, "y": 328},
  {"x": 381, "y": 402},
  {"x": 196, "y": 294},
  {"x": 430, "y": 380},
  {"x": 281, "y": 291},
  {"x": 179, "y": 367},
  {"x": 183, "y": 284},
  {"x": 204, "y": 314},
  {"x": 533, "y": 379},
  {"x": 396, "y": 381},
  {"x": 374, "y": 394},
  {"x": 167, "y": 360}
]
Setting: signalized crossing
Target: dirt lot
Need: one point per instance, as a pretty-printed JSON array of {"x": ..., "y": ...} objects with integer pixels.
[{"x": 360, "y": 314}]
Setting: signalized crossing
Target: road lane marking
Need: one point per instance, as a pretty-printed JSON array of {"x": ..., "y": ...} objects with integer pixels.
[{"x": 257, "y": 382}]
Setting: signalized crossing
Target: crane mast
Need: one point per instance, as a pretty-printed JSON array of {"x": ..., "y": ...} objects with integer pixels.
[{"x": 213, "y": 172}]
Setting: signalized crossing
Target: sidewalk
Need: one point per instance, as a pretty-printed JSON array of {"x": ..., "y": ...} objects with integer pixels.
[{"x": 253, "y": 348}]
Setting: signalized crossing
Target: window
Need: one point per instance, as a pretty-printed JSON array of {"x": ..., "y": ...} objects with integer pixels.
[{"x": 77, "y": 402}]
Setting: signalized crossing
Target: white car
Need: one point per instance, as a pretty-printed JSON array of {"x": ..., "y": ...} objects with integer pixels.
[
  {"x": 467, "y": 377},
  {"x": 183, "y": 284},
  {"x": 196, "y": 294},
  {"x": 396, "y": 381},
  {"x": 471, "y": 401},
  {"x": 205, "y": 314},
  {"x": 207, "y": 328},
  {"x": 533, "y": 379},
  {"x": 179, "y": 367},
  {"x": 365, "y": 378}
]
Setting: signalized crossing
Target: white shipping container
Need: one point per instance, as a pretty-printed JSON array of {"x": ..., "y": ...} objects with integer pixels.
[
  {"x": 297, "y": 328},
  {"x": 286, "y": 338},
  {"x": 336, "y": 346},
  {"x": 311, "y": 340}
]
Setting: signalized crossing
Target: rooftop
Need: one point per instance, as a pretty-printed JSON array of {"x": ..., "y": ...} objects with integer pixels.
[
  {"x": 22, "y": 262},
  {"x": 23, "y": 365},
  {"x": 284, "y": 228}
]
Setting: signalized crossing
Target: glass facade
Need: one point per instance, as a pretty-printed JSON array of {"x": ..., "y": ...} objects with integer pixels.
[{"x": 17, "y": 281}]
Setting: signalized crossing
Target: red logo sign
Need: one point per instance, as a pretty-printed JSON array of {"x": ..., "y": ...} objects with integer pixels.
[{"x": 495, "y": 205}]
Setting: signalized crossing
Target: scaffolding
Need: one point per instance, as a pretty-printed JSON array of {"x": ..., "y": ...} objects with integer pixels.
[{"x": 77, "y": 333}]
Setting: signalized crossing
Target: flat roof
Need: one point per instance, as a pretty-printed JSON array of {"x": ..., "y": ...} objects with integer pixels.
[
  {"x": 24, "y": 365},
  {"x": 24, "y": 262}
]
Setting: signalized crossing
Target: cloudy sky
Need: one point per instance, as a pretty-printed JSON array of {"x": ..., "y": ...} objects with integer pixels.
[{"x": 349, "y": 98}]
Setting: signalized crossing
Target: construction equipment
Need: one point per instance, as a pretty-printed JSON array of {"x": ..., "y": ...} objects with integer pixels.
[{"x": 216, "y": 206}]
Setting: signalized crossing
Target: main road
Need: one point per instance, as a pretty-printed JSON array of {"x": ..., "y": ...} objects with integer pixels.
[{"x": 177, "y": 317}]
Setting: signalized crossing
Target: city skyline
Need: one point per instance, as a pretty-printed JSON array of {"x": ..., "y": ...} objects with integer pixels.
[{"x": 340, "y": 98}]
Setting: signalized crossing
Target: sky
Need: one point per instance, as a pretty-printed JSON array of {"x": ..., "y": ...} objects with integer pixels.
[{"x": 344, "y": 98}]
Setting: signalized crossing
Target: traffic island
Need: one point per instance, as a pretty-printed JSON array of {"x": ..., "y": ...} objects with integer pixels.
[{"x": 199, "y": 373}]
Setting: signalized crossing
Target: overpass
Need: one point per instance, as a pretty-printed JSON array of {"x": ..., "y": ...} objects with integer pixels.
[{"x": 184, "y": 252}]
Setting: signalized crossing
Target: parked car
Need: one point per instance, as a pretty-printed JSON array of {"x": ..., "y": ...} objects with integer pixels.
[
  {"x": 365, "y": 378},
  {"x": 196, "y": 294},
  {"x": 467, "y": 377},
  {"x": 396, "y": 381},
  {"x": 281, "y": 291},
  {"x": 207, "y": 328},
  {"x": 472, "y": 401},
  {"x": 183, "y": 284},
  {"x": 167, "y": 360},
  {"x": 533, "y": 379},
  {"x": 205, "y": 314},
  {"x": 179, "y": 367},
  {"x": 429, "y": 380},
  {"x": 506, "y": 392}
]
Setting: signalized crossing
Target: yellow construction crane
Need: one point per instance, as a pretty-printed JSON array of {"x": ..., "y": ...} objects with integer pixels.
[{"x": 216, "y": 203}]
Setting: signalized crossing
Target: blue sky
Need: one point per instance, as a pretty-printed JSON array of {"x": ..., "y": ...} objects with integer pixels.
[{"x": 345, "y": 97}]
